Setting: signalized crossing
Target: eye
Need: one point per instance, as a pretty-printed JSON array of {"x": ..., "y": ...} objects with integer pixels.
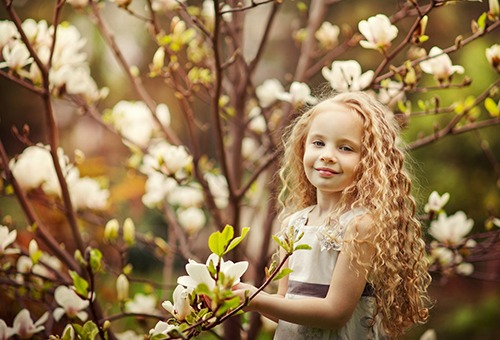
[
  {"x": 318, "y": 143},
  {"x": 346, "y": 148}
]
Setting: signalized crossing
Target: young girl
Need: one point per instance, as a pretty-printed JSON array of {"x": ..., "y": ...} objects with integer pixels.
[{"x": 345, "y": 188}]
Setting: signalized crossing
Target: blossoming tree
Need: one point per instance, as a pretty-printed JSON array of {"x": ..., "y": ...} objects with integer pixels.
[{"x": 211, "y": 59}]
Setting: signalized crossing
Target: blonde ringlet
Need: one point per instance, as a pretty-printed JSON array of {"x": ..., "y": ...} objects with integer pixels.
[{"x": 398, "y": 270}]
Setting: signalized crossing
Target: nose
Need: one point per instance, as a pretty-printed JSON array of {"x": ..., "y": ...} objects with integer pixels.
[{"x": 328, "y": 156}]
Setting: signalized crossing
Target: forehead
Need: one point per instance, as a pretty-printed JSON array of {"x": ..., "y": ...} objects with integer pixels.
[{"x": 335, "y": 118}]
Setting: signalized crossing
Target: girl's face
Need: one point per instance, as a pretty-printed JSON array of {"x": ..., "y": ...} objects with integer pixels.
[{"x": 332, "y": 149}]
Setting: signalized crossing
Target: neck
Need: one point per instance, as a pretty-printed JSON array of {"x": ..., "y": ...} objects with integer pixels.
[{"x": 325, "y": 204}]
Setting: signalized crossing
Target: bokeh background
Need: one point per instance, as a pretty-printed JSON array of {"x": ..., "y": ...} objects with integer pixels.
[{"x": 466, "y": 307}]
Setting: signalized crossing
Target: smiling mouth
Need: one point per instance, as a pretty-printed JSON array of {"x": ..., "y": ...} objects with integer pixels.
[{"x": 327, "y": 172}]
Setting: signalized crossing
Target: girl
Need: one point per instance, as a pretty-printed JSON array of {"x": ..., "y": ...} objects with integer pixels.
[{"x": 345, "y": 188}]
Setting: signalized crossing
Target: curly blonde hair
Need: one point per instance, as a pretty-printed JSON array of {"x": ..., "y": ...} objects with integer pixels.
[{"x": 398, "y": 269}]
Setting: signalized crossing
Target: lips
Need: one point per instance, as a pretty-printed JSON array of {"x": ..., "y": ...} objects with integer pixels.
[{"x": 327, "y": 172}]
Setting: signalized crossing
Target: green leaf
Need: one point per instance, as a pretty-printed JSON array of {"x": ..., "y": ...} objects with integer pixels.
[
  {"x": 284, "y": 272},
  {"x": 237, "y": 240},
  {"x": 302, "y": 247},
  {"x": 81, "y": 285},
  {"x": 491, "y": 107},
  {"x": 228, "y": 305},
  {"x": 481, "y": 21},
  {"x": 95, "y": 260},
  {"x": 91, "y": 330},
  {"x": 217, "y": 242}
]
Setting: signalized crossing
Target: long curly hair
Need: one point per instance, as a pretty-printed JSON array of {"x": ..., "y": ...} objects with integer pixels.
[{"x": 398, "y": 269}]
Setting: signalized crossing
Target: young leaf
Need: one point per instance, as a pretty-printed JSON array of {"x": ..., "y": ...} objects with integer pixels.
[
  {"x": 302, "y": 247},
  {"x": 95, "y": 260},
  {"x": 81, "y": 285},
  {"x": 228, "y": 305},
  {"x": 284, "y": 272},
  {"x": 217, "y": 242},
  {"x": 237, "y": 240},
  {"x": 491, "y": 107}
]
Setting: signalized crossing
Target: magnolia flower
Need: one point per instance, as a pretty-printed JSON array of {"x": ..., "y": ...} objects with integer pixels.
[
  {"x": 378, "y": 32},
  {"x": 8, "y": 32},
  {"x": 443, "y": 255},
  {"x": 16, "y": 56},
  {"x": 391, "y": 93},
  {"x": 451, "y": 230},
  {"x": 70, "y": 304},
  {"x": 158, "y": 186},
  {"x": 78, "y": 3},
  {"x": 327, "y": 35},
  {"x": 257, "y": 121},
  {"x": 24, "y": 325},
  {"x": 191, "y": 219},
  {"x": 161, "y": 328},
  {"x": 186, "y": 196},
  {"x": 181, "y": 307},
  {"x": 141, "y": 304},
  {"x": 493, "y": 56},
  {"x": 249, "y": 148},
  {"x": 346, "y": 76},
  {"x": 24, "y": 264},
  {"x": 50, "y": 264},
  {"x": 86, "y": 193},
  {"x": 299, "y": 94},
  {"x": 218, "y": 187},
  {"x": 199, "y": 273},
  {"x": 165, "y": 5},
  {"x": 208, "y": 12},
  {"x": 39, "y": 35},
  {"x": 167, "y": 158},
  {"x": 135, "y": 121},
  {"x": 267, "y": 92},
  {"x": 464, "y": 268},
  {"x": 38, "y": 157},
  {"x": 440, "y": 65},
  {"x": 5, "y": 332},
  {"x": 429, "y": 334},
  {"x": 122, "y": 287},
  {"x": 494, "y": 8},
  {"x": 436, "y": 202},
  {"x": 6, "y": 239}
]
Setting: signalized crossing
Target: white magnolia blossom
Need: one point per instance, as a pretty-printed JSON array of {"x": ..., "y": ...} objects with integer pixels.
[
  {"x": 78, "y": 3},
  {"x": 166, "y": 5},
  {"x": 181, "y": 306},
  {"x": 448, "y": 258},
  {"x": 24, "y": 264},
  {"x": 267, "y": 93},
  {"x": 157, "y": 188},
  {"x": 136, "y": 123},
  {"x": 493, "y": 56},
  {"x": 191, "y": 219},
  {"x": 129, "y": 335},
  {"x": 257, "y": 121},
  {"x": 167, "y": 158},
  {"x": 186, "y": 196},
  {"x": 16, "y": 56},
  {"x": 440, "y": 65},
  {"x": 436, "y": 202},
  {"x": 346, "y": 76},
  {"x": 219, "y": 189},
  {"x": 199, "y": 273},
  {"x": 452, "y": 229},
  {"x": 5, "y": 331},
  {"x": 47, "y": 261},
  {"x": 327, "y": 35},
  {"x": 249, "y": 148},
  {"x": 25, "y": 327},
  {"x": 391, "y": 93},
  {"x": 39, "y": 34},
  {"x": 465, "y": 268},
  {"x": 300, "y": 94},
  {"x": 494, "y": 8},
  {"x": 141, "y": 304},
  {"x": 7, "y": 238},
  {"x": 86, "y": 192},
  {"x": 378, "y": 32},
  {"x": 161, "y": 327},
  {"x": 70, "y": 304},
  {"x": 429, "y": 334},
  {"x": 8, "y": 32},
  {"x": 208, "y": 12}
]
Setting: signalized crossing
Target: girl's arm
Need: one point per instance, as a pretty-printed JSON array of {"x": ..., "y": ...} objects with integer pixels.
[{"x": 333, "y": 311}]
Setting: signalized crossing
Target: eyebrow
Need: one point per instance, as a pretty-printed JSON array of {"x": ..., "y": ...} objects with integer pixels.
[{"x": 342, "y": 139}]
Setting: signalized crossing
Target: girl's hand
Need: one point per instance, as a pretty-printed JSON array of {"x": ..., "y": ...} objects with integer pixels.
[{"x": 244, "y": 290}]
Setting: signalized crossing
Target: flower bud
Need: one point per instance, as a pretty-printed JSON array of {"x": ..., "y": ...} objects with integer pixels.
[
  {"x": 111, "y": 230},
  {"x": 129, "y": 231},
  {"x": 122, "y": 286}
]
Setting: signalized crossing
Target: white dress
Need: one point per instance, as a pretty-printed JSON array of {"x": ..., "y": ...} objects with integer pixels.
[{"x": 312, "y": 272}]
